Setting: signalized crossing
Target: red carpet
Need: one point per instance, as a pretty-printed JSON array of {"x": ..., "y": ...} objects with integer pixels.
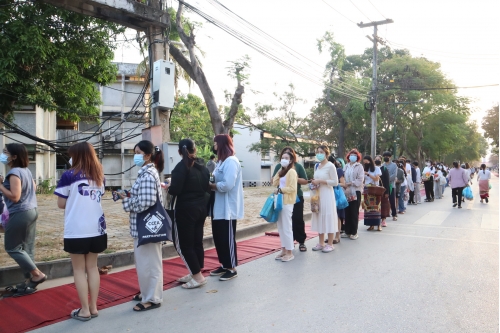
[{"x": 50, "y": 306}]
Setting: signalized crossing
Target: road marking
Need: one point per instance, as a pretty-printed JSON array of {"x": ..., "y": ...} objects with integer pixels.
[
  {"x": 437, "y": 226},
  {"x": 438, "y": 238},
  {"x": 489, "y": 221},
  {"x": 433, "y": 217}
]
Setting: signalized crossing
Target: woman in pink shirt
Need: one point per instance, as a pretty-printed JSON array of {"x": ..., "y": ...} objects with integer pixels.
[{"x": 458, "y": 180}]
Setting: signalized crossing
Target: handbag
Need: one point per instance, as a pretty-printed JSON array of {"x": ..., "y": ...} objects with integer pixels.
[
  {"x": 278, "y": 202},
  {"x": 154, "y": 225},
  {"x": 340, "y": 198},
  {"x": 267, "y": 212},
  {"x": 442, "y": 180}
]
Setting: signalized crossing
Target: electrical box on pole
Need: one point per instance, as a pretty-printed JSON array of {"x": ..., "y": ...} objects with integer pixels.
[{"x": 163, "y": 85}]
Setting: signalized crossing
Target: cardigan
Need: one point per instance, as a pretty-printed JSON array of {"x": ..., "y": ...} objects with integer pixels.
[
  {"x": 290, "y": 189},
  {"x": 228, "y": 178}
]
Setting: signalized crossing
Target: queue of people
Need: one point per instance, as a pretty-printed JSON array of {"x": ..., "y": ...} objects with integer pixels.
[{"x": 381, "y": 185}]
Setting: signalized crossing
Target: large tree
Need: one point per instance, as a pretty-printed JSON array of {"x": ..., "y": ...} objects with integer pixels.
[
  {"x": 490, "y": 125},
  {"x": 53, "y": 58}
]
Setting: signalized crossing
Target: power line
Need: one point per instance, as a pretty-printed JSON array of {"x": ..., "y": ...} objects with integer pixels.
[
  {"x": 377, "y": 9},
  {"x": 445, "y": 88},
  {"x": 326, "y": 3},
  {"x": 359, "y": 10}
]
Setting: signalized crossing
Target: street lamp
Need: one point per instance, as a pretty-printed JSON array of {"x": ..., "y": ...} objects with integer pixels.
[{"x": 396, "y": 112}]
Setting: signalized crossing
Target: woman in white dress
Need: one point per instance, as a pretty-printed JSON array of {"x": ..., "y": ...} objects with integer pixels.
[{"x": 325, "y": 221}]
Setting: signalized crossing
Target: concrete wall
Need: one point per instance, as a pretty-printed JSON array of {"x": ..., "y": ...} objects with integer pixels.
[{"x": 250, "y": 161}]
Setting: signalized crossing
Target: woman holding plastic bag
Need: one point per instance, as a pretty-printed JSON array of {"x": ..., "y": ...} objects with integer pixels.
[
  {"x": 324, "y": 221},
  {"x": 354, "y": 176},
  {"x": 458, "y": 180},
  {"x": 286, "y": 180},
  {"x": 483, "y": 178}
]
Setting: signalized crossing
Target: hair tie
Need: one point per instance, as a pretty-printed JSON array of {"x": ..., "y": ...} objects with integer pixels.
[{"x": 157, "y": 149}]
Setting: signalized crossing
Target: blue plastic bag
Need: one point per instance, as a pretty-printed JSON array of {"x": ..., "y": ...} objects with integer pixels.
[
  {"x": 340, "y": 198},
  {"x": 278, "y": 204},
  {"x": 467, "y": 193},
  {"x": 268, "y": 213}
]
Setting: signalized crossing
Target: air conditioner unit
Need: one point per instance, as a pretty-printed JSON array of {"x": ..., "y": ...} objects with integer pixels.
[
  {"x": 163, "y": 84},
  {"x": 109, "y": 138}
]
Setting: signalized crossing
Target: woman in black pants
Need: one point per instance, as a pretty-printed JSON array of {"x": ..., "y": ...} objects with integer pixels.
[
  {"x": 190, "y": 190},
  {"x": 427, "y": 178},
  {"x": 354, "y": 176}
]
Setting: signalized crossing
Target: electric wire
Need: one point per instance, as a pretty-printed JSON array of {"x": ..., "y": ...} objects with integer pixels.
[
  {"x": 377, "y": 10},
  {"x": 359, "y": 10}
]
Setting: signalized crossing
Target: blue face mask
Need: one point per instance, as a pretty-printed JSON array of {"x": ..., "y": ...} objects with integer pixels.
[
  {"x": 320, "y": 157},
  {"x": 353, "y": 158},
  {"x": 4, "y": 158},
  {"x": 139, "y": 160}
]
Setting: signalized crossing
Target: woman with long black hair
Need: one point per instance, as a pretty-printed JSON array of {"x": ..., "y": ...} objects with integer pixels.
[
  {"x": 372, "y": 178},
  {"x": 148, "y": 257},
  {"x": 428, "y": 179},
  {"x": 190, "y": 190}
]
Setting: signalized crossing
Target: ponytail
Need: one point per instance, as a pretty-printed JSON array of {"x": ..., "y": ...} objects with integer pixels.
[
  {"x": 158, "y": 159},
  {"x": 187, "y": 149}
]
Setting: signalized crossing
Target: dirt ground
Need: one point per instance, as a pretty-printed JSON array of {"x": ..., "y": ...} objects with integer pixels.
[{"x": 50, "y": 223}]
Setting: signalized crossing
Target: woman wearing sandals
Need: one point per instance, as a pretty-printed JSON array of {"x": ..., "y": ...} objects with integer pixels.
[
  {"x": 228, "y": 206},
  {"x": 354, "y": 176},
  {"x": 286, "y": 180},
  {"x": 325, "y": 221},
  {"x": 148, "y": 257},
  {"x": 18, "y": 189},
  {"x": 298, "y": 225},
  {"x": 189, "y": 187},
  {"x": 79, "y": 193},
  {"x": 483, "y": 178}
]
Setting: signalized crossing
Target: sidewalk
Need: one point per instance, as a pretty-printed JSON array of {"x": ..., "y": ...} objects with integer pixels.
[{"x": 434, "y": 270}]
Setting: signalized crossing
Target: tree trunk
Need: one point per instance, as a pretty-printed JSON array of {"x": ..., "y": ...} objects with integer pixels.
[
  {"x": 341, "y": 148},
  {"x": 233, "y": 111}
]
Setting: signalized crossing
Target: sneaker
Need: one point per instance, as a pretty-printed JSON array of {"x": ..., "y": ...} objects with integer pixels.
[
  {"x": 229, "y": 274},
  {"x": 354, "y": 237},
  {"x": 318, "y": 247},
  {"x": 384, "y": 224},
  {"x": 219, "y": 271},
  {"x": 327, "y": 248},
  {"x": 287, "y": 257},
  {"x": 344, "y": 235},
  {"x": 486, "y": 200}
]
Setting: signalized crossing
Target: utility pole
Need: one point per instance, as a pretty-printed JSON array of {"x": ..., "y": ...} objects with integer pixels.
[{"x": 375, "y": 41}]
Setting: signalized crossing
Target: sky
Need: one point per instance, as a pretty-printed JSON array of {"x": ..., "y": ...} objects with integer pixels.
[{"x": 461, "y": 35}]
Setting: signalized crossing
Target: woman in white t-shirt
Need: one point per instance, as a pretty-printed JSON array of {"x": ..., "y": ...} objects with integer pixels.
[
  {"x": 372, "y": 216},
  {"x": 79, "y": 193},
  {"x": 483, "y": 178}
]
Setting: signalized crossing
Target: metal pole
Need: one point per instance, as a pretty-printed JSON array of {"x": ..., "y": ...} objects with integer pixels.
[
  {"x": 374, "y": 91},
  {"x": 394, "y": 143}
]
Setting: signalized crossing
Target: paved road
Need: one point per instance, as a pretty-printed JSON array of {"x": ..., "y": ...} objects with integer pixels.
[{"x": 434, "y": 270}]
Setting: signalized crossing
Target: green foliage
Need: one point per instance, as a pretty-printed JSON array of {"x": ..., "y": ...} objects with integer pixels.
[
  {"x": 190, "y": 119},
  {"x": 490, "y": 125},
  {"x": 54, "y": 58},
  {"x": 281, "y": 124},
  {"x": 45, "y": 187},
  {"x": 310, "y": 173}
]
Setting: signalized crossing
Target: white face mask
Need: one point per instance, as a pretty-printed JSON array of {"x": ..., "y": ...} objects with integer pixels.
[
  {"x": 285, "y": 163},
  {"x": 70, "y": 161},
  {"x": 427, "y": 163}
]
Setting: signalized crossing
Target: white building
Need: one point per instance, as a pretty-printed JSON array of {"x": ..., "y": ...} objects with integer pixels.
[{"x": 41, "y": 124}]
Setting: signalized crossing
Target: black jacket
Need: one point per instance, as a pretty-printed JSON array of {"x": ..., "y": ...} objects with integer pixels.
[{"x": 190, "y": 186}]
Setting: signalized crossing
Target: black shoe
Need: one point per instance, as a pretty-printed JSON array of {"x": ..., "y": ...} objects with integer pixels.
[
  {"x": 219, "y": 271},
  {"x": 228, "y": 275},
  {"x": 486, "y": 200},
  {"x": 459, "y": 206},
  {"x": 455, "y": 204}
]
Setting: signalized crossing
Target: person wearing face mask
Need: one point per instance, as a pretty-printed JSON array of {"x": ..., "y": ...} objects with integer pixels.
[
  {"x": 19, "y": 188},
  {"x": 428, "y": 179},
  {"x": 354, "y": 176},
  {"x": 286, "y": 180},
  {"x": 418, "y": 180},
  {"x": 437, "y": 182},
  {"x": 298, "y": 224},
  {"x": 190, "y": 191},
  {"x": 412, "y": 180},
  {"x": 325, "y": 221},
  {"x": 393, "y": 169},
  {"x": 385, "y": 206},
  {"x": 148, "y": 257},
  {"x": 372, "y": 178}
]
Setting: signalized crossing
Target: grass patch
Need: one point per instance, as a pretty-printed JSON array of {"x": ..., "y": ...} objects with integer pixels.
[{"x": 107, "y": 251}]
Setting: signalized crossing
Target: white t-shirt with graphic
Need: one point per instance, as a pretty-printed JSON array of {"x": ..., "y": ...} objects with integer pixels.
[{"x": 83, "y": 216}]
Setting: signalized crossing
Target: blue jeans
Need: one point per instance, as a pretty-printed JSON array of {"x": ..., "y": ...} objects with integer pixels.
[{"x": 401, "y": 201}]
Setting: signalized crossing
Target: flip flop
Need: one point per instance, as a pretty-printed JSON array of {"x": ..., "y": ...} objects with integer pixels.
[
  {"x": 34, "y": 284},
  {"x": 75, "y": 314},
  {"x": 143, "y": 308},
  {"x": 192, "y": 284},
  {"x": 24, "y": 292},
  {"x": 302, "y": 247}
]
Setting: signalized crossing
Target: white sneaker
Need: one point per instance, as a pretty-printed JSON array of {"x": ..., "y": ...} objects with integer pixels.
[
  {"x": 344, "y": 235},
  {"x": 354, "y": 237}
]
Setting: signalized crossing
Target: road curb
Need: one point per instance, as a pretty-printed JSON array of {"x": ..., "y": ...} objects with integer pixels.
[{"x": 62, "y": 267}]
